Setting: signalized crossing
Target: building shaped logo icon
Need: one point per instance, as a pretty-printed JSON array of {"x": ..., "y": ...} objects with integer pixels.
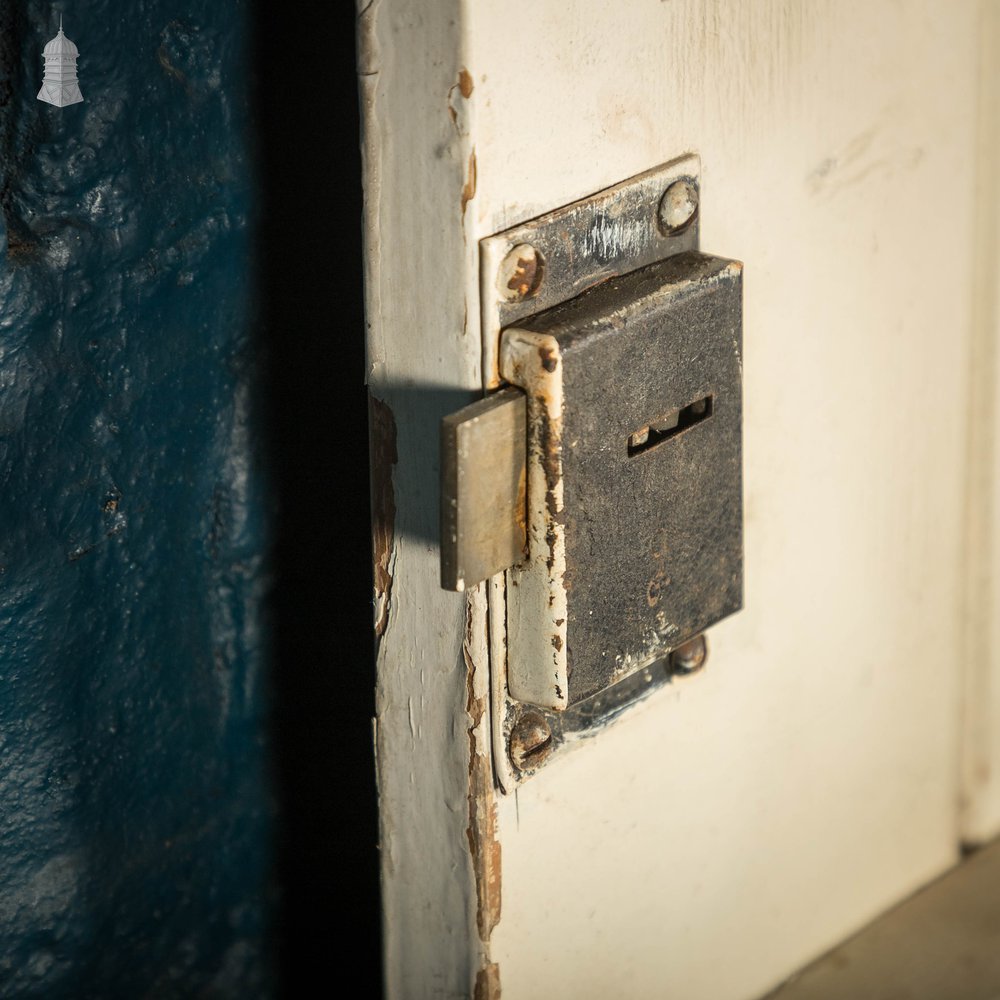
[{"x": 60, "y": 86}]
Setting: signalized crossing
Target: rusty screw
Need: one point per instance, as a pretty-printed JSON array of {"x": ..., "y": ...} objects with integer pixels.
[
  {"x": 678, "y": 207},
  {"x": 520, "y": 273},
  {"x": 689, "y": 658},
  {"x": 530, "y": 741}
]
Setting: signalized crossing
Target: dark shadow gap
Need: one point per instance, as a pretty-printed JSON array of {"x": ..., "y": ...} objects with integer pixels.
[{"x": 311, "y": 329}]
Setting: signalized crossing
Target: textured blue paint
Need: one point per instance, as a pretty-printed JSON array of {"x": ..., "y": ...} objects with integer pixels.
[{"x": 133, "y": 805}]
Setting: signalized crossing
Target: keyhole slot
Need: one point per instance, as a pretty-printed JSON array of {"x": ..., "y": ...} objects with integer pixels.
[{"x": 670, "y": 425}]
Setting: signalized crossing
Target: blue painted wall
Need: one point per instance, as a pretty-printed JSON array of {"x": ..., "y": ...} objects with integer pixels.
[{"x": 134, "y": 809}]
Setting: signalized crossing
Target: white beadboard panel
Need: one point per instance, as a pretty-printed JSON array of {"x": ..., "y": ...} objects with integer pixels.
[
  {"x": 746, "y": 819},
  {"x": 981, "y": 727}
]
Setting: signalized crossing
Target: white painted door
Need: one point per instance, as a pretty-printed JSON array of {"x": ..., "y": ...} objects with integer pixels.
[{"x": 839, "y": 746}]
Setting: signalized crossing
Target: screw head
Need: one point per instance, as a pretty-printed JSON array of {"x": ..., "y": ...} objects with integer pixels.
[
  {"x": 678, "y": 207},
  {"x": 520, "y": 273},
  {"x": 530, "y": 741},
  {"x": 690, "y": 657}
]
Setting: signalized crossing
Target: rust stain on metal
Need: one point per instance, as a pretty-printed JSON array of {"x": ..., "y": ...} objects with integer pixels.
[
  {"x": 550, "y": 540},
  {"x": 552, "y": 464},
  {"x": 488, "y": 983},
  {"x": 546, "y": 445},
  {"x": 656, "y": 587},
  {"x": 548, "y": 357},
  {"x": 469, "y": 189},
  {"x": 521, "y": 510},
  {"x": 530, "y": 741},
  {"x": 526, "y": 273},
  {"x": 382, "y": 427},
  {"x": 484, "y": 846},
  {"x": 532, "y": 362}
]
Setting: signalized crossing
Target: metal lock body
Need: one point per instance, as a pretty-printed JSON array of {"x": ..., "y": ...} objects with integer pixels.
[
  {"x": 634, "y": 499},
  {"x": 603, "y": 480}
]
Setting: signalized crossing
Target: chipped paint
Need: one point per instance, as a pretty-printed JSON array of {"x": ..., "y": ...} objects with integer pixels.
[
  {"x": 484, "y": 843},
  {"x": 457, "y": 109},
  {"x": 539, "y": 673},
  {"x": 383, "y": 458},
  {"x": 418, "y": 168},
  {"x": 488, "y": 983},
  {"x": 469, "y": 188}
]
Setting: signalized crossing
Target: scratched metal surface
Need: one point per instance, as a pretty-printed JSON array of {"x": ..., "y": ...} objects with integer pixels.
[{"x": 133, "y": 815}]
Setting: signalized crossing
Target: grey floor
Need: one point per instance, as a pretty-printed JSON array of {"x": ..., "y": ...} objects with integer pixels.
[{"x": 941, "y": 944}]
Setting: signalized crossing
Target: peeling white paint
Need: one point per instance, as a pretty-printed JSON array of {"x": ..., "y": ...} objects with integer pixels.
[
  {"x": 415, "y": 162},
  {"x": 536, "y": 596}
]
